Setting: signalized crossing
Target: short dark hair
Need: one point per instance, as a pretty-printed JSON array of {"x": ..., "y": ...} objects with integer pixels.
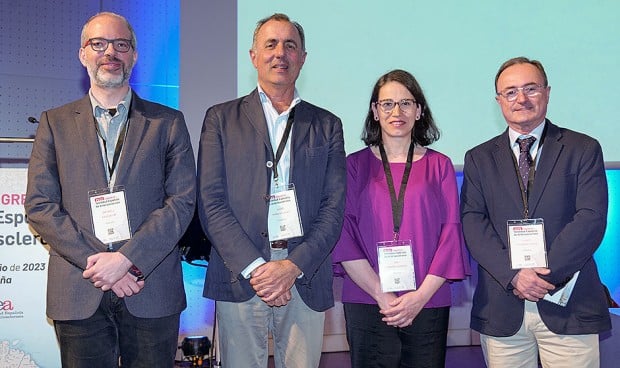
[
  {"x": 424, "y": 130},
  {"x": 521, "y": 60},
  {"x": 280, "y": 17}
]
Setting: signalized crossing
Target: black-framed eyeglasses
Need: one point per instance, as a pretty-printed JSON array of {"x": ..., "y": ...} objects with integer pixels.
[
  {"x": 405, "y": 105},
  {"x": 101, "y": 44},
  {"x": 530, "y": 90}
]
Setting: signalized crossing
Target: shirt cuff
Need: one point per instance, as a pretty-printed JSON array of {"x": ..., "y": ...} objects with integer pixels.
[{"x": 246, "y": 272}]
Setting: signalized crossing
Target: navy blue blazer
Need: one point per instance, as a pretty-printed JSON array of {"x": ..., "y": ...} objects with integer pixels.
[
  {"x": 233, "y": 180},
  {"x": 570, "y": 193}
]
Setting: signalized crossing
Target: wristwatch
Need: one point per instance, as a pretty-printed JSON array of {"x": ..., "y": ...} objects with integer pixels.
[{"x": 135, "y": 271}]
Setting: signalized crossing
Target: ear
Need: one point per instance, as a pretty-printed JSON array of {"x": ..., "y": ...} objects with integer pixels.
[
  {"x": 375, "y": 112},
  {"x": 303, "y": 58},
  {"x": 253, "y": 58},
  {"x": 82, "y": 56}
]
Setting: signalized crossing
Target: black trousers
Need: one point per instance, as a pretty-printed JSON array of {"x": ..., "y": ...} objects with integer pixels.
[
  {"x": 113, "y": 333},
  {"x": 375, "y": 344}
]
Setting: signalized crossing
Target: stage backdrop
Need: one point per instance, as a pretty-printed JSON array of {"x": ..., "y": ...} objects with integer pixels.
[
  {"x": 27, "y": 339},
  {"x": 454, "y": 49}
]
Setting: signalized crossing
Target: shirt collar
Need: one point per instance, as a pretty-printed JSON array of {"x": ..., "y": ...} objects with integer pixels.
[
  {"x": 122, "y": 107},
  {"x": 536, "y": 133},
  {"x": 266, "y": 102}
]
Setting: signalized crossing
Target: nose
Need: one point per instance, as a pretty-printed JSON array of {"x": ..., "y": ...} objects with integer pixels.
[
  {"x": 396, "y": 106},
  {"x": 521, "y": 96},
  {"x": 279, "y": 50},
  {"x": 109, "y": 50}
]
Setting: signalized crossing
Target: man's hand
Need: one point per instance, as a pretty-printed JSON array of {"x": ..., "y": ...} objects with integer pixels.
[
  {"x": 273, "y": 280},
  {"x": 281, "y": 301},
  {"x": 106, "y": 268},
  {"x": 528, "y": 284},
  {"x": 128, "y": 285}
]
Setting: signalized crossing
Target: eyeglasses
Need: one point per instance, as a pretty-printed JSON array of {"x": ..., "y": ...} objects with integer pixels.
[
  {"x": 101, "y": 44},
  {"x": 531, "y": 90},
  {"x": 406, "y": 105}
]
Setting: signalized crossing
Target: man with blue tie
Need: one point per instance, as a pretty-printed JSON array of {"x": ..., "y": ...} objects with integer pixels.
[{"x": 534, "y": 211}]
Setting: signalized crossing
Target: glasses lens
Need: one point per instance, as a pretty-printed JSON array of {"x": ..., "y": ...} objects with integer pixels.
[
  {"x": 121, "y": 45},
  {"x": 98, "y": 44},
  {"x": 531, "y": 90},
  {"x": 406, "y": 105},
  {"x": 510, "y": 94},
  {"x": 387, "y": 106}
]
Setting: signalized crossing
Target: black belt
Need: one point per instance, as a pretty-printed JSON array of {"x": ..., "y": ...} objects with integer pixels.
[{"x": 279, "y": 244}]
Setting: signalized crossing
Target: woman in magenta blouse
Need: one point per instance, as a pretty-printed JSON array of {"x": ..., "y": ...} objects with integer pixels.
[{"x": 401, "y": 210}]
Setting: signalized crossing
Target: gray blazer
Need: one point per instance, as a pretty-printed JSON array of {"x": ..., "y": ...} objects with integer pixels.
[
  {"x": 233, "y": 180},
  {"x": 570, "y": 193},
  {"x": 156, "y": 168}
]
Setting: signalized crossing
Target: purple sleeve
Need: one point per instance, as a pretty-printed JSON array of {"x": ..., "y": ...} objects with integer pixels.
[
  {"x": 451, "y": 259},
  {"x": 348, "y": 246}
]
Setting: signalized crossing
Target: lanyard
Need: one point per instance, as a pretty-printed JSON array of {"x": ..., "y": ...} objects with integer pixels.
[
  {"x": 282, "y": 144},
  {"x": 117, "y": 149},
  {"x": 397, "y": 204}
]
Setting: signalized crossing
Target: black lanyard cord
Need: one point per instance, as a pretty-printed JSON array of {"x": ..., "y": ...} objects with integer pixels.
[
  {"x": 397, "y": 203},
  {"x": 117, "y": 149},
  {"x": 282, "y": 144}
]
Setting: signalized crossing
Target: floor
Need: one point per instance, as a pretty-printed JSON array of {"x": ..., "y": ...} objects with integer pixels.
[{"x": 456, "y": 357}]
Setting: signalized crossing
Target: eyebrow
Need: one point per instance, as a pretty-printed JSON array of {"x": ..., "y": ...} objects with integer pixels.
[
  {"x": 526, "y": 84},
  {"x": 276, "y": 40}
]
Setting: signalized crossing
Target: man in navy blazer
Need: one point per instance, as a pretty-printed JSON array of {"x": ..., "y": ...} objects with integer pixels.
[
  {"x": 263, "y": 280},
  {"x": 112, "y": 295},
  {"x": 566, "y": 190}
]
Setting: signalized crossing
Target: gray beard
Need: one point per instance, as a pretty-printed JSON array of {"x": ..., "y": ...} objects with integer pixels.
[{"x": 109, "y": 81}]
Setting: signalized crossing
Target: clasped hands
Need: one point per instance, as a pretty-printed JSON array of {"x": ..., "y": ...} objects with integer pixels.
[
  {"x": 273, "y": 281},
  {"x": 400, "y": 311},
  {"x": 529, "y": 285},
  {"x": 109, "y": 271}
]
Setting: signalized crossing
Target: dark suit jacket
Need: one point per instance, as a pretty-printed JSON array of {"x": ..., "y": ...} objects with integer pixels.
[
  {"x": 570, "y": 193},
  {"x": 233, "y": 180},
  {"x": 156, "y": 168}
]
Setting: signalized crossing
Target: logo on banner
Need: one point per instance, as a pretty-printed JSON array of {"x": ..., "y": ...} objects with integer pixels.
[{"x": 7, "y": 310}]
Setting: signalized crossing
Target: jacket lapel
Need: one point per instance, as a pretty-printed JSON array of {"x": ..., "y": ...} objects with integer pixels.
[
  {"x": 548, "y": 157},
  {"x": 504, "y": 160},
  {"x": 86, "y": 129},
  {"x": 136, "y": 128},
  {"x": 253, "y": 111},
  {"x": 301, "y": 127}
]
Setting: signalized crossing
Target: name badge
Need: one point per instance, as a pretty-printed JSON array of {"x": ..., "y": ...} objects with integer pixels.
[
  {"x": 396, "y": 269},
  {"x": 284, "y": 220},
  {"x": 109, "y": 214},
  {"x": 526, "y": 241}
]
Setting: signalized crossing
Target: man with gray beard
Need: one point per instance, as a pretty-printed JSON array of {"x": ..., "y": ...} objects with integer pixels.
[{"x": 111, "y": 188}]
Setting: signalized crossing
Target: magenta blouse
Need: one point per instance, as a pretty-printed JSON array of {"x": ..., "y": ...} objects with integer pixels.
[{"x": 430, "y": 220}]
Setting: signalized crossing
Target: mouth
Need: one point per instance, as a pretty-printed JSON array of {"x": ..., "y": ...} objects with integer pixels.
[
  {"x": 398, "y": 123},
  {"x": 111, "y": 64},
  {"x": 280, "y": 67}
]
